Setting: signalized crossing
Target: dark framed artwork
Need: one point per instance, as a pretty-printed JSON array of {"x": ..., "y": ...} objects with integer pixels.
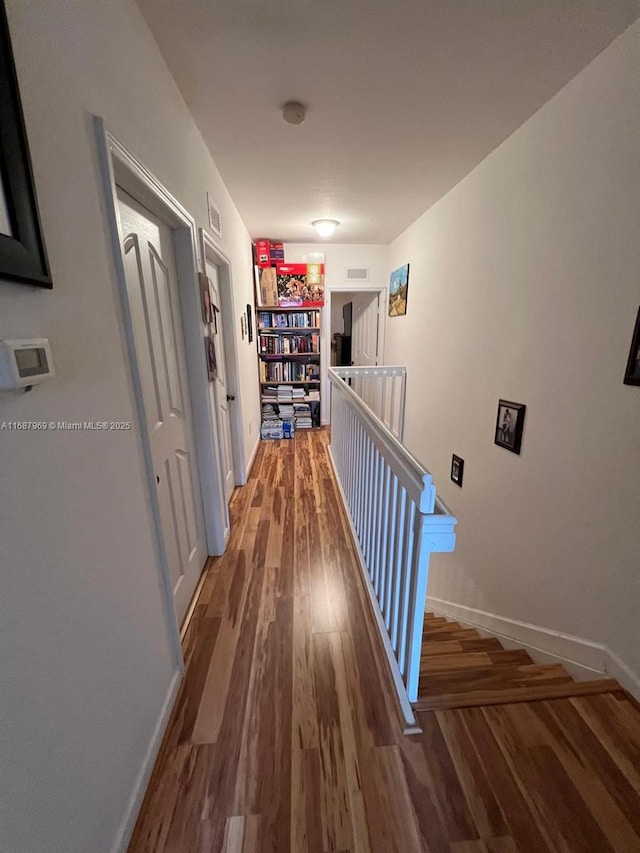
[
  {"x": 249, "y": 322},
  {"x": 22, "y": 252},
  {"x": 632, "y": 373},
  {"x": 398, "y": 291},
  {"x": 206, "y": 300},
  {"x": 212, "y": 361},
  {"x": 457, "y": 469},
  {"x": 509, "y": 425}
]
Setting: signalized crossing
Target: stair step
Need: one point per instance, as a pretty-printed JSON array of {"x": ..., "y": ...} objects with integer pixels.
[
  {"x": 509, "y": 696},
  {"x": 437, "y": 625},
  {"x": 453, "y": 634},
  {"x": 473, "y": 660},
  {"x": 492, "y": 678},
  {"x": 455, "y": 647}
]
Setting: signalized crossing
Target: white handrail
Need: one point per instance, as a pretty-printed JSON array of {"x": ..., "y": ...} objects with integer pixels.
[
  {"x": 383, "y": 389},
  {"x": 396, "y": 520}
]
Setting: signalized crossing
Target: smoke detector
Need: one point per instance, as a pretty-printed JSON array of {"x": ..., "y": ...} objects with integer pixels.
[{"x": 294, "y": 112}]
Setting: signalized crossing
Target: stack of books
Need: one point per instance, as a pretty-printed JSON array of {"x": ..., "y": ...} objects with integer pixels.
[
  {"x": 285, "y": 393},
  {"x": 303, "y": 415},
  {"x": 286, "y": 411},
  {"x": 270, "y": 393}
]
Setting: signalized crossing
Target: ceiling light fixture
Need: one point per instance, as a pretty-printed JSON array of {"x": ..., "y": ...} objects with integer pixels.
[{"x": 325, "y": 227}]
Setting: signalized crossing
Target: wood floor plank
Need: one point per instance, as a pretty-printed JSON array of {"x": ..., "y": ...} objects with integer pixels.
[
  {"x": 393, "y": 825},
  {"x": 562, "y": 814},
  {"x": 485, "y": 808},
  {"x": 286, "y": 735},
  {"x": 592, "y": 788},
  {"x": 514, "y": 802},
  {"x": 620, "y": 739},
  {"x": 336, "y": 825}
]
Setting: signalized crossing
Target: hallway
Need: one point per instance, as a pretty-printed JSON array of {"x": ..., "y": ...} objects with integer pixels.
[{"x": 286, "y": 735}]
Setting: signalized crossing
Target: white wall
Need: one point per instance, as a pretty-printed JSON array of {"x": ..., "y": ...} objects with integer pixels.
[
  {"x": 524, "y": 285},
  {"x": 339, "y": 256},
  {"x": 86, "y": 660}
]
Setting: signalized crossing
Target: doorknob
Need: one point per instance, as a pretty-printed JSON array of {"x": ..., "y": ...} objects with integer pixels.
[{"x": 230, "y": 397}]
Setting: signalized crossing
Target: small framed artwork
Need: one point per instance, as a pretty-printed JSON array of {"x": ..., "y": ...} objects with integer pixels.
[
  {"x": 23, "y": 257},
  {"x": 250, "y": 322},
  {"x": 398, "y": 291},
  {"x": 632, "y": 373},
  {"x": 509, "y": 425},
  {"x": 212, "y": 361},
  {"x": 205, "y": 297},
  {"x": 457, "y": 469}
]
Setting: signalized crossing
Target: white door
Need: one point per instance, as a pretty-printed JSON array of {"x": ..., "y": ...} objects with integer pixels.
[
  {"x": 364, "y": 329},
  {"x": 152, "y": 288},
  {"x": 221, "y": 390}
]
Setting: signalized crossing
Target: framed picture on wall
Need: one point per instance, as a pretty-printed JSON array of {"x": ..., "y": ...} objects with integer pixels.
[
  {"x": 249, "y": 322},
  {"x": 509, "y": 425},
  {"x": 398, "y": 291},
  {"x": 212, "y": 361},
  {"x": 457, "y": 469},
  {"x": 632, "y": 373},
  {"x": 208, "y": 315},
  {"x": 23, "y": 258}
]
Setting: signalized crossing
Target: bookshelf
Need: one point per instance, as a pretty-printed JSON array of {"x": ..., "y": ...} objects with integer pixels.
[{"x": 289, "y": 361}]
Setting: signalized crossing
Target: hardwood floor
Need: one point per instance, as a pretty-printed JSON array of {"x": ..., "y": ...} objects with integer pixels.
[{"x": 286, "y": 736}]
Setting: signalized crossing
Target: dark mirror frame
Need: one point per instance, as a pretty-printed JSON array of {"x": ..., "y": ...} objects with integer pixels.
[{"x": 23, "y": 257}]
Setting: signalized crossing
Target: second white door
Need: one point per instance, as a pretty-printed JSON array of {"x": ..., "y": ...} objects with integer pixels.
[
  {"x": 221, "y": 391},
  {"x": 364, "y": 331},
  {"x": 152, "y": 288}
]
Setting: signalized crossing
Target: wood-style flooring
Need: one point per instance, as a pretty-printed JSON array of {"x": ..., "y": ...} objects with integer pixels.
[
  {"x": 461, "y": 669},
  {"x": 286, "y": 736}
]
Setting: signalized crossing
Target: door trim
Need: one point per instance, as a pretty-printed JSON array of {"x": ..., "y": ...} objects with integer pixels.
[
  {"x": 325, "y": 337},
  {"x": 119, "y": 166},
  {"x": 210, "y": 251}
]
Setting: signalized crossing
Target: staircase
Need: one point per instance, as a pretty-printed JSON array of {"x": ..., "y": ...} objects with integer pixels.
[{"x": 461, "y": 669}]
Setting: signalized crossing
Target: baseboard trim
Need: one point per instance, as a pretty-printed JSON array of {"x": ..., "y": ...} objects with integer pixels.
[
  {"x": 623, "y": 674},
  {"x": 411, "y": 724},
  {"x": 583, "y": 659},
  {"x": 144, "y": 775},
  {"x": 252, "y": 459}
]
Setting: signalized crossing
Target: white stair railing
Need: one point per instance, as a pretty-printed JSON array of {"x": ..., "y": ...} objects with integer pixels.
[
  {"x": 397, "y": 522},
  {"x": 383, "y": 389}
]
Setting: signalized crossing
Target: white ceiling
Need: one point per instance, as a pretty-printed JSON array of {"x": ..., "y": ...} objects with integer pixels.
[{"x": 404, "y": 97}]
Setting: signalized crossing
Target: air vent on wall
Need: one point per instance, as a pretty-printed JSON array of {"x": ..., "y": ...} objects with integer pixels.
[
  {"x": 215, "y": 222},
  {"x": 357, "y": 274}
]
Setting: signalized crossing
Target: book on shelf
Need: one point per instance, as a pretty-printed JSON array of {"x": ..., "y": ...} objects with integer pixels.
[
  {"x": 288, "y": 371},
  {"x": 288, "y": 319},
  {"x": 287, "y": 343}
]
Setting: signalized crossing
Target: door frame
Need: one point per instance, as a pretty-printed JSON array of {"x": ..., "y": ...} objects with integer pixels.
[
  {"x": 119, "y": 167},
  {"x": 210, "y": 251},
  {"x": 325, "y": 337}
]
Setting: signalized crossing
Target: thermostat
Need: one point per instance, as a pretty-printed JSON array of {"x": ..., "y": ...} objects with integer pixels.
[{"x": 25, "y": 363}]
